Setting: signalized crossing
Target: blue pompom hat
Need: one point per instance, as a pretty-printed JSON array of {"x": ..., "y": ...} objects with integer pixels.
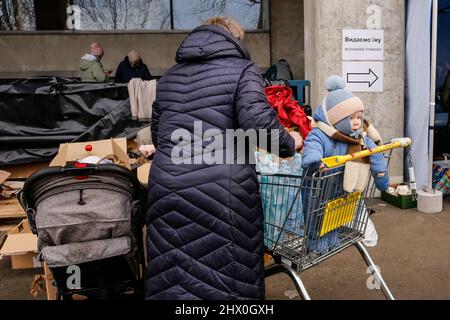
[{"x": 339, "y": 104}]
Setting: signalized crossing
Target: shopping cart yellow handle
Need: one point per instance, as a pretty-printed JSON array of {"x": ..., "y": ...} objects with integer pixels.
[{"x": 337, "y": 161}]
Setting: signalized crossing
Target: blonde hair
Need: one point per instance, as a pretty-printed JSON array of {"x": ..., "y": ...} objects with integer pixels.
[
  {"x": 133, "y": 55},
  {"x": 228, "y": 24}
]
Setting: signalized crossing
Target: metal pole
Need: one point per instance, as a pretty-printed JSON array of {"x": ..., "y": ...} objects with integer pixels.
[
  {"x": 281, "y": 268},
  {"x": 374, "y": 269},
  {"x": 432, "y": 94},
  {"x": 171, "y": 15}
]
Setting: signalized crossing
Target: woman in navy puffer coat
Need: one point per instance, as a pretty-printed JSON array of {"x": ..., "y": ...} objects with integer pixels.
[{"x": 205, "y": 221}]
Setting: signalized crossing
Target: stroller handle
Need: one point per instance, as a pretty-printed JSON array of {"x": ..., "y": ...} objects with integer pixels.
[{"x": 78, "y": 169}]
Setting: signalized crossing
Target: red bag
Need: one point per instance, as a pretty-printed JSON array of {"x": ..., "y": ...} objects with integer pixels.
[{"x": 289, "y": 112}]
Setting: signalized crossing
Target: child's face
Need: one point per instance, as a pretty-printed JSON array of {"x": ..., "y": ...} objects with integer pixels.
[{"x": 356, "y": 121}]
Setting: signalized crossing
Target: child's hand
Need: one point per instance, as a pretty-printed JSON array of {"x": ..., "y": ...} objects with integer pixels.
[{"x": 297, "y": 138}]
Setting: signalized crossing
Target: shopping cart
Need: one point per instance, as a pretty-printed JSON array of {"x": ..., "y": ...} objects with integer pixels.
[{"x": 310, "y": 218}]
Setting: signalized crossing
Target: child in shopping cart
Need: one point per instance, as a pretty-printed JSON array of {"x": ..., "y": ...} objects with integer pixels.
[{"x": 341, "y": 130}]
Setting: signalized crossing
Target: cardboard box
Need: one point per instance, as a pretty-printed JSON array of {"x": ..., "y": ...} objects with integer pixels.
[
  {"x": 3, "y": 176},
  {"x": 143, "y": 173},
  {"x": 114, "y": 149},
  {"x": 24, "y": 171},
  {"x": 21, "y": 245},
  {"x": 50, "y": 286},
  {"x": 44, "y": 282},
  {"x": 10, "y": 188},
  {"x": 11, "y": 209}
]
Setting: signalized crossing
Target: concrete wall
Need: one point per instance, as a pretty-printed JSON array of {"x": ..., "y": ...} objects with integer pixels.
[
  {"x": 287, "y": 34},
  {"x": 61, "y": 51},
  {"x": 324, "y": 21}
]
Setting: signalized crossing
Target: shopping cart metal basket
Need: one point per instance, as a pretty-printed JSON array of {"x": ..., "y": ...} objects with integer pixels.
[{"x": 310, "y": 218}]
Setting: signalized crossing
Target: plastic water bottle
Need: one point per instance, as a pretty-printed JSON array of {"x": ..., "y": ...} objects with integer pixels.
[
  {"x": 278, "y": 199},
  {"x": 266, "y": 195},
  {"x": 295, "y": 220},
  {"x": 266, "y": 164},
  {"x": 258, "y": 161},
  {"x": 289, "y": 196},
  {"x": 285, "y": 168},
  {"x": 274, "y": 168},
  {"x": 270, "y": 168},
  {"x": 296, "y": 165}
]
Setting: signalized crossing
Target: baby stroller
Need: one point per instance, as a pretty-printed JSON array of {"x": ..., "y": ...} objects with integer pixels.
[{"x": 88, "y": 219}]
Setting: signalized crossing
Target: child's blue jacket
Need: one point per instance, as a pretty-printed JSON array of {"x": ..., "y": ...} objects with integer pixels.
[{"x": 318, "y": 145}]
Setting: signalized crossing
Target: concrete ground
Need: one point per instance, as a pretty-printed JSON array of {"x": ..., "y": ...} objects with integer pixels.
[{"x": 413, "y": 254}]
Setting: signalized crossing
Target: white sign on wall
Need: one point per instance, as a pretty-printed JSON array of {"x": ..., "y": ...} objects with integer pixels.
[
  {"x": 363, "y": 76},
  {"x": 360, "y": 44}
]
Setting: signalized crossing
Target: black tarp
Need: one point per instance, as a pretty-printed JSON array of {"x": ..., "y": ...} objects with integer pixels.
[{"x": 38, "y": 114}]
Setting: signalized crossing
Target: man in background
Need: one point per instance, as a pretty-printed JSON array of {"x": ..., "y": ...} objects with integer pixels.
[{"x": 91, "y": 67}]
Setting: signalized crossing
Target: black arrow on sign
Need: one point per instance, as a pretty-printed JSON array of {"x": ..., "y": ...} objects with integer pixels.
[{"x": 369, "y": 78}]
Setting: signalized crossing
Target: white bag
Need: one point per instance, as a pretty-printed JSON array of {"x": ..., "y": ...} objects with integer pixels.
[
  {"x": 371, "y": 235},
  {"x": 356, "y": 176}
]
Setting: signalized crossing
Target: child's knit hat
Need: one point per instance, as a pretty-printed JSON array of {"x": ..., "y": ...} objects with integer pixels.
[{"x": 339, "y": 104}]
